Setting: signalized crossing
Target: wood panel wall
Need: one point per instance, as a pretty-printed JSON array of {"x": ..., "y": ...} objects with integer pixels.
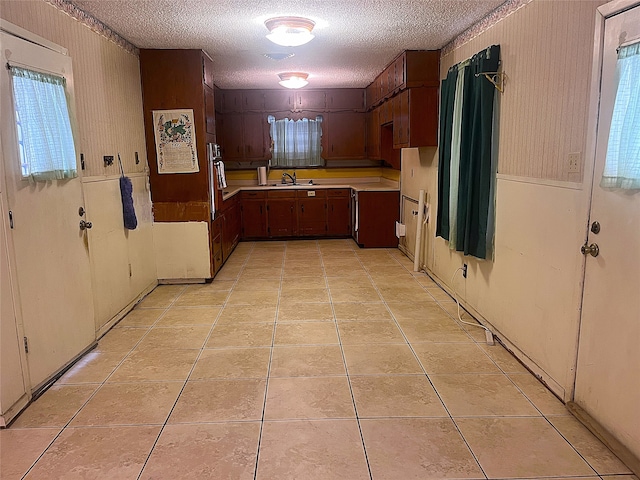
[
  {"x": 107, "y": 86},
  {"x": 546, "y": 50}
]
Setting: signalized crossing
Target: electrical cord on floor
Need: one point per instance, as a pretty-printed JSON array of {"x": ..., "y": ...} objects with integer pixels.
[{"x": 487, "y": 332}]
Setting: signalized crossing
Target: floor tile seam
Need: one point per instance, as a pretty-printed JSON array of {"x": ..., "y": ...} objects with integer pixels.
[
  {"x": 433, "y": 386},
  {"x": 266, "y": 387},
  {"x": 53, "y": 440},
  {"x": 575, "y": 449},
  {"x": 346, "y": 368},
  {"x": 524, "y": 394}
]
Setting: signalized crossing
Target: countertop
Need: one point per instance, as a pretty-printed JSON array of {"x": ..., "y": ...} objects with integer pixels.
[{"x": 378, "y": 185}]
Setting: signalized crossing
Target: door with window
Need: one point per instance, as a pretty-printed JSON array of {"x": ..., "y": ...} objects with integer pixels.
[
  {"x": 49, "y": 248},
  {"x": 608, "y": 369}
]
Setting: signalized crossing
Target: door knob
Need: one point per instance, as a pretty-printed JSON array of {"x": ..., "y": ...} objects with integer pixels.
[
  {"x": 85, "y": 225},
  {"x": 592, "y": 249}
]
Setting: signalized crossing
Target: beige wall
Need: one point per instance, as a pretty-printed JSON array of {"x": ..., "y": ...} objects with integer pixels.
[
  {"x": 530, "y": 294},
  {"x": 109, "y": 121}
]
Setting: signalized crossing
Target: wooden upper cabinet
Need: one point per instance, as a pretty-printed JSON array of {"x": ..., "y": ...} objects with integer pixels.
[
  {"x": 231, "y": 101},
  {"x": 209, "y": 110},
  {"x": 278, "y": 101},
  {"x": 421, "y": 68},
  {"x": 345, "y": 99},
  {"x": 232, "y": 139},
  {"x": 310, "y": 100},
  {"x": 253, "y": 100},
  {"x": 399, "y": 72},
  {"x": 373, "y": 134},
  {"x": 344, "y": 136},
  {"x": 256, "y": 131},
  {"x": 411, "y": 126},
  {"x": 207, "y": 70}
]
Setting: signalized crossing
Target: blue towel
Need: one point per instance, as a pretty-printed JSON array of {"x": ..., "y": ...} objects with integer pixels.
[{"x": 128, "y": 210}]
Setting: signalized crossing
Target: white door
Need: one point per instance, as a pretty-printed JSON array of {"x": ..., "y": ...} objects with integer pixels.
[
  {"x": 608, "y": 370},
  {"x": 53, "y": 277}
]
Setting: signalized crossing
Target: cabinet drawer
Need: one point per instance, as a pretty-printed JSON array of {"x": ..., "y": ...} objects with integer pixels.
[
  {"x": 217, "y": 244},
  {"x": 281, "y": 194},
  {"x": 308, "y": 193},
  {"x": 254, "y": 194},
  {"x": 338, "y": 192}
]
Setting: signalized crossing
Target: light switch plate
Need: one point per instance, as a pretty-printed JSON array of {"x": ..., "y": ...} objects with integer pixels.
[{"x": 311, "y": 193}]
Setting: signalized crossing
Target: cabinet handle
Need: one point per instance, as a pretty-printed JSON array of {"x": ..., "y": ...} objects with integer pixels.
[
  {"x": 302, "y": 207},
  {"x": 291, "y": 208},
  {"x": 260, "y": 209}
]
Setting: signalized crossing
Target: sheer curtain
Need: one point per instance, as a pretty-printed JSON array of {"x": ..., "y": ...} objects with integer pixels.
[
  {"x": 43, "y": 125},
  {"x": 622, "y": 165},
  {"x": 296, "y": 143}
]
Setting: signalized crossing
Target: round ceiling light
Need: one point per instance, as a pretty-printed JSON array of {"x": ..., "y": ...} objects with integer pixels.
[
  {"x": 290, "y": 31},
  {"x": 293, "y": 79}
]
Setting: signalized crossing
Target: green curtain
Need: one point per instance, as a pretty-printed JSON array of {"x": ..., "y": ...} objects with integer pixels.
[
  {"x": 447, "y": 100},
  {"x": 475, "y": 154}
]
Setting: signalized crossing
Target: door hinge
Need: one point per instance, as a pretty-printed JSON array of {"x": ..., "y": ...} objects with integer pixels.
[
  {"x": 10, "y": 219},
  {"x": 26, "y": 345}
]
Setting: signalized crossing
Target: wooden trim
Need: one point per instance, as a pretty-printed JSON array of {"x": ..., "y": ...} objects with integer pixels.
[{"x": 623, "y": 453}]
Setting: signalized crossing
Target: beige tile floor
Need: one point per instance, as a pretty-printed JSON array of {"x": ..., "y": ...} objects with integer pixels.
[{"x": 302, "y": 360}]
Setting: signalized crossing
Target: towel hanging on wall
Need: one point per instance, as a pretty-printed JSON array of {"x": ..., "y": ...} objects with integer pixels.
[{"x": 126, "y": 192}]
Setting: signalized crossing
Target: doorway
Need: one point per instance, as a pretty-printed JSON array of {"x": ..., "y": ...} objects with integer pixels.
[{"x": 607, "y": 385}]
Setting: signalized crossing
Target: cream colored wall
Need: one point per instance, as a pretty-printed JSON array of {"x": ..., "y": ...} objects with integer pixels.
[
  {"x": 530, "y": 294},
  {"x": 109, "y": 118},
  {"x": 182, "y": 250}
]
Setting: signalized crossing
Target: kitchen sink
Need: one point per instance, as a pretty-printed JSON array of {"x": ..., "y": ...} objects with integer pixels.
[{"x": 291, "y": 184}]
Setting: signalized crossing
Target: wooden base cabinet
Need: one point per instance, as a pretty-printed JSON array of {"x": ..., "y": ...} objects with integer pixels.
[
  {"x": 231, "y": 225},
  {"x": 254, "y": 214},
  {"x": 376, "y": 214},
  {"x": 339, "y": 212},
  {"x": 312, "y": 213},
  {"x": 281, "y": 214}
]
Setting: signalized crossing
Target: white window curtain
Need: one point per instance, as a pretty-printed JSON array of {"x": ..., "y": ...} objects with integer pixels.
[
  {"x": 622, "y": 165},
  {"x": 43, "y": 124},
  {"x": 296, "y": 143},
  {"x": 454, "y": 179}
]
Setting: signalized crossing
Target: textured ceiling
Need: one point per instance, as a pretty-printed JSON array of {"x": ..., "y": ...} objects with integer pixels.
[{"x": 355, "y": 39}]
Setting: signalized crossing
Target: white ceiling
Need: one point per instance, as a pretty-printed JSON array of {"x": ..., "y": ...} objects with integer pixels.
[{"x": 355, "y": 39}]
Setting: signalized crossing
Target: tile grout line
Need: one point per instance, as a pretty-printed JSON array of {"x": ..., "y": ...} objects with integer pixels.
[
  {"x": 266, "y": 387},
  {"x": 344, "y": 361},
  {"x": 427, "y": 376},
  {"x": 202, "y": 348}
]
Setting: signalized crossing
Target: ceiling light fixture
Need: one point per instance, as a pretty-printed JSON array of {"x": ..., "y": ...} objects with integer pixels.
[
  {"x": 293, "y": 79},
  {"x": 290, "y": 31}
]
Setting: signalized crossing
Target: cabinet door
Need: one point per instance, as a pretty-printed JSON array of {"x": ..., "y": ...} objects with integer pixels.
[
  {"x": 339, "y": 215},
  {"x": 312, "y": 216},
  {"x": 310, "y": 100},
  {"x": 373, "y": 134},
  {"x": 377, "y": 215},
  {"x": 345, "y": 136},
  {"x": 278, "y": 101},
  {"x": 207, "y": 70},
  {"x": 399, "y": 81},
  {"x": 281, "y": 215},
  {"x": 209, "y": 110},
  {"x": 401, "y": 120},
  {"x": 254, "y": 128},
  {"x": 231, "y": 101},
  {"x": 232, "y": 141},
  {"x": 253, "y": 100},
  {"x": 345, "y": 99},
  {"x": 254, "y": 219}
]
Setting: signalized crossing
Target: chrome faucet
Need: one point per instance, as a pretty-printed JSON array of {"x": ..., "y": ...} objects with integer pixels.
[{"x": 293, "y": 179}]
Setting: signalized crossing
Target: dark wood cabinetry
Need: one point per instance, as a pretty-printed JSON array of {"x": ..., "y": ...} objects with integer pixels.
[
  {"x": 344, "y": 136},
  {"x": 231, "y": 225},
  {"x": 377, "y": 214},
  {"x": 243, "y": 128},
  {"x": 281, "y": 214},
  {"x": 405, "y": 97},
  {"x": 254, "y": 214},
  {"x": 339, "y": 212},
  {"x": 296, "y": 213},
  {"x": 312, "y": 213}
]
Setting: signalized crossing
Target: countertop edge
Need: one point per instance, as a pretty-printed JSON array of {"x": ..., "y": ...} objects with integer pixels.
[{"x": 232, "y": 190}]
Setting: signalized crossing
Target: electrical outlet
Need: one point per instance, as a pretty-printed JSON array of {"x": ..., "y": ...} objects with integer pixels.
[
  {"x": 574, "y": 162},
  {"x": 464, "y": 270},
  {"x": 108, "y": 160}
]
